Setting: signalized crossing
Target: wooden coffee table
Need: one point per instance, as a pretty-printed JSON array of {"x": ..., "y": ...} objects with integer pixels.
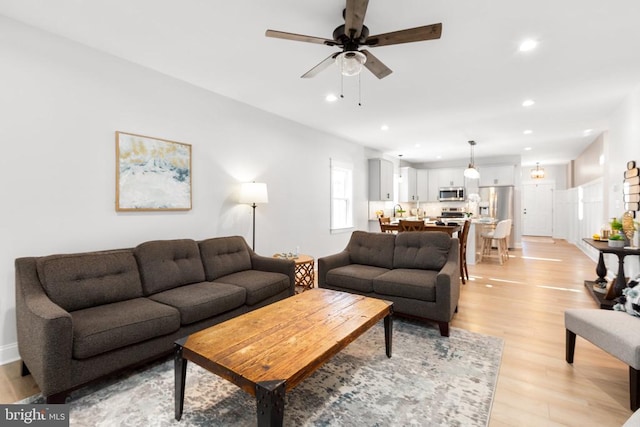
[{"x": 268, "y": 351}]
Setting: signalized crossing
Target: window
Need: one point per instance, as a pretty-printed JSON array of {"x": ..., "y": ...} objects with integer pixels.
[{"x": 341, "y": 196}]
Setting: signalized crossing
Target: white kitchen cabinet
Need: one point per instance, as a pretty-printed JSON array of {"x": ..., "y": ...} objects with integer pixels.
[
  {"x": 443, "y": 177},
  {"x": 497, "y": 175},
  {"x": 408, "y": 186},
  {"x": 433, "y": 185},
  {"x": 422, "y": 184},
  {"x": 451, "y": 177},
  {"x": 380, "y": 179}
]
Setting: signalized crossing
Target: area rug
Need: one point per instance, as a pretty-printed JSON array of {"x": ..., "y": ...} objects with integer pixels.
[{"x": 429, "y": 381}]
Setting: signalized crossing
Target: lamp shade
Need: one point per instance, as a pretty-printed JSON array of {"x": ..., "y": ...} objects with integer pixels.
[
  {"x": 350, "y": 62},
  {"x": 471, "y": 172},
  {"x": 253, "y": 192}
]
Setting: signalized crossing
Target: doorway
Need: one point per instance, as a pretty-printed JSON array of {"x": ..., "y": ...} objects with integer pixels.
[{"x": 537, "y": 209}]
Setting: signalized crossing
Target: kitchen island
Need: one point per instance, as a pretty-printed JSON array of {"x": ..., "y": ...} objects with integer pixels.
[{"x": 474, "y": 241}]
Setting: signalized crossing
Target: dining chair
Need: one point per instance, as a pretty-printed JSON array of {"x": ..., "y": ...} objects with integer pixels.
[
  {"x": 385, "y": 224},
  {"x": 464, "y": 271},
  {"x": 500, "y": 235},
  {"x": 407, "y": 225}
]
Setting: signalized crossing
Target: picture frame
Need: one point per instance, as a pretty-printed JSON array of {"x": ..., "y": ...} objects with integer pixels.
[{"x": 152, "y": 174}]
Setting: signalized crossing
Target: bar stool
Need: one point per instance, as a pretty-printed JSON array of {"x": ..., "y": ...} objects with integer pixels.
[{"x": 500, "y": 235}]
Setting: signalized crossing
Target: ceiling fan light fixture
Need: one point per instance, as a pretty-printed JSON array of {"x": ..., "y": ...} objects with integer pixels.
[
  {"x": 471, "y": 172},
  {"x": 351, "y": 62}
]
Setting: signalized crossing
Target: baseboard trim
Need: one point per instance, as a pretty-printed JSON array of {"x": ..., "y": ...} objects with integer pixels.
[{"x": 9, "y": 353}]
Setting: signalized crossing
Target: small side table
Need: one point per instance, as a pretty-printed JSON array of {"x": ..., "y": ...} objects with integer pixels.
[
  {"x": 305, "y": 274},
  {"x": 601, "y": 270}
]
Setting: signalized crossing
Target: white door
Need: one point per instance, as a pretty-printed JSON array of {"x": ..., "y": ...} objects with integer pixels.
[{"x": 537, "y": 209}]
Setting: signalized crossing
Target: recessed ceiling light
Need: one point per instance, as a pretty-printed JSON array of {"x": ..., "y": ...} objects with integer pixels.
[
  {"x": 528, "y": 132},
  {"x": 528, "y": 102},
  {"x": 384, "y": 127},
  {"x": 418, "y": 145},
  {"x": 528, "y": 45},
  {"x": 438, "y": 157},
  {"x": 331, "y": 98},
  {"x": 587, "y": 132},
  {"x": 527, "y": 148}
]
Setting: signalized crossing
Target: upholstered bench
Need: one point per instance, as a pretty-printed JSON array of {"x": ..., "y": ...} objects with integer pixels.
[{"x": 616, "y": 332}]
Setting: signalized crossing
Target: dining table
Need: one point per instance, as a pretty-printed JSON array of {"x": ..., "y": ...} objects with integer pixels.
[{"x": 449, "y": 229}]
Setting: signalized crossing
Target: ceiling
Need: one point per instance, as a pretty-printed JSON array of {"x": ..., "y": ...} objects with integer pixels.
[{"x": 470, "y": 84}]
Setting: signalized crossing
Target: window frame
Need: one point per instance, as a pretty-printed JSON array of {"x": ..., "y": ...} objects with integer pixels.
[{"x": 341, "y": 195}]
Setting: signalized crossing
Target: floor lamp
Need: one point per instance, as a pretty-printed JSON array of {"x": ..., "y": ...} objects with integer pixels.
[{"x": 253, "y": 193}]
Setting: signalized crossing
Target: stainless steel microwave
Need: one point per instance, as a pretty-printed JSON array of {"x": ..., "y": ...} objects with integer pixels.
[{"x": 451, "y": 194}]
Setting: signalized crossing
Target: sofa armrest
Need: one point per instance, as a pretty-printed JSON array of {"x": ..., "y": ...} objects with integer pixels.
[
  {"x": 276, "y": 265},
  {"x": 448, "y": 280},
  {"x": 45, "y": 330},
  {"x": 325, "y": 264}
]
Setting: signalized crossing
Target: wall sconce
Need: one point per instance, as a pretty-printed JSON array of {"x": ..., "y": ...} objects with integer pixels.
[{"x": 253, "y": 193}]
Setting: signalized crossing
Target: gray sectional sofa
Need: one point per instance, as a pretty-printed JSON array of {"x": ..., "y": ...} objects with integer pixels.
[
  {"x": 86, "y": 315},
  {"x": 418, "y": 271}
]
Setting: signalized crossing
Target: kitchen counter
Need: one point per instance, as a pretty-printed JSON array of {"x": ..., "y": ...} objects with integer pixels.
[{"x": 474, "y": 241}]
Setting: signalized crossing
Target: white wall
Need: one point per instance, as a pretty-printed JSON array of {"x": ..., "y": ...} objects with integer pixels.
[
  {"x": 60, "y": 106},
  {"x": 622, "y": 145},
  {"x": 619, "y": 145}
]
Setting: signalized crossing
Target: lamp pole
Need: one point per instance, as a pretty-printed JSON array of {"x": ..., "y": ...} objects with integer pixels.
[
  {"x": 253, "y": 193},
  {"x": 253, "y": 244}
]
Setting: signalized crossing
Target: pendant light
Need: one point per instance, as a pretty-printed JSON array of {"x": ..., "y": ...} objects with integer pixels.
[
  {"x": 538, "y": 172},
  {"x": 471, "y": 172}
]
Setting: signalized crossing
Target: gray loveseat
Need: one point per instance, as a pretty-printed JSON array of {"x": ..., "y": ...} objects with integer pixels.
[
  {"x": 86, "y": 315},
  {"x": 418, "y": 271}
]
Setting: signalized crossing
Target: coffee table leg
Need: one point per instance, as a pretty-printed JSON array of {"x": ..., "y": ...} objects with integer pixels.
[
  {"x": 270, "y": 403},
  {"x": 388, "y": 333},
  {"x": 180, "y": 367}
]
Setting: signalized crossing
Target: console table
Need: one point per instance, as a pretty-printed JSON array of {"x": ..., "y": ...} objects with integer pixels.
[{"x": 601, "y": 270}]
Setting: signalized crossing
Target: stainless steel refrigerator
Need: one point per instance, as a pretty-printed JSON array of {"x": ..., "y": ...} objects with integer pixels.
[{"x": 497, "y": 202}]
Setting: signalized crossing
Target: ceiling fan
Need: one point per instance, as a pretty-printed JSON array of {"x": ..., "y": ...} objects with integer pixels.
[{"x": 353, "y": 34}]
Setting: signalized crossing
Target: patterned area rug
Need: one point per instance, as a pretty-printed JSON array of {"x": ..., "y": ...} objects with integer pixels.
[{"x": 429, "y": 381}]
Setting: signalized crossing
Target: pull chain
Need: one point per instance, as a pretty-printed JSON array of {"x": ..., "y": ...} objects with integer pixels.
[
  {"x": 341, "y": 85},
  {"x": 359, "y": 91}
]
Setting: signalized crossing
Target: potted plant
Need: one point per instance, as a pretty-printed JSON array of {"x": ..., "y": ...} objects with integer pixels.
[
  {"x": 616, "y": 225},
  {"x": 616, "y": 240}
]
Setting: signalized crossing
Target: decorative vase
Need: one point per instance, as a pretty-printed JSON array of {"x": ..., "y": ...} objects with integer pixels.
[{"x": 628, "y": 227}]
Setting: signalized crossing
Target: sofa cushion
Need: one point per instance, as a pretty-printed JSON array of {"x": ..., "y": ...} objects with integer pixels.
[
  {"x": 375, "y": 249},
  {"x": 78, "y": 281},
  {"x": 407, "y": 283},
  {"x": 354, "y": 276},
  {"x": 107, "y": 327},
  {"x": 166, "y": 264},
  {"x": 222, "y": 256},
  {"x": 259, "y": 285},
  {"x": 200, "y": 301},
  {"x": 422, "y": 250}
]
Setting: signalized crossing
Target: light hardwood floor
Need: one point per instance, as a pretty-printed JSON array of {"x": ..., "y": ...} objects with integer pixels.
[{"x": 522, "y": 301}]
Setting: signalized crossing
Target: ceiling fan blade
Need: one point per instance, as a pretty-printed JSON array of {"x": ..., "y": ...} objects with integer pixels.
[
  {"x": 321, "y": 66},
  {"x": 299, "y": 37},
  {"x": 427, "y": 32},
  {"x": 354, "y": 17},
  {"x": 374, "y": 65}
]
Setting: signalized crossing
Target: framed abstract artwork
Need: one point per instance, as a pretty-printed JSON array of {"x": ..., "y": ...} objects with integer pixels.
[{"x": 152, "y": 174}]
